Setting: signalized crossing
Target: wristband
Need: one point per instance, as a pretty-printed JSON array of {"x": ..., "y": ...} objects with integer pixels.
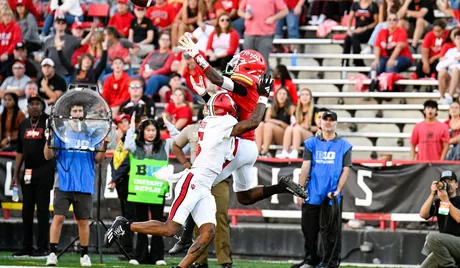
[
  {"x": 202, "y": 62},
  {"x": 263, "y": 100}
]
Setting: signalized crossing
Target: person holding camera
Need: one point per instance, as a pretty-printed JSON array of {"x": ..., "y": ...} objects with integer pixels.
[
  {"x": 445, "y": 245},
  {"x": 76, "y": 174}
]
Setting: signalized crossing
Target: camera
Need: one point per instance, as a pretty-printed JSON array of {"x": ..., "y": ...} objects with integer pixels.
[{"x": 442, "y": 185}]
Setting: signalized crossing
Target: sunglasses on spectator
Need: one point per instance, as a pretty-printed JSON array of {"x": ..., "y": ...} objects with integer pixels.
[
  {"x": 135, "y": 86},
  {"x": 227, "y": 20}
]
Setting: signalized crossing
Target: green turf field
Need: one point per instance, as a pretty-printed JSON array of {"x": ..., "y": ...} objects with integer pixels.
[{"x": 73, "y": 260}]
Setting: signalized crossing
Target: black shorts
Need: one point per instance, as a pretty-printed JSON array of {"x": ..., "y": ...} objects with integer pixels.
[{"x": 82, "y": 203}]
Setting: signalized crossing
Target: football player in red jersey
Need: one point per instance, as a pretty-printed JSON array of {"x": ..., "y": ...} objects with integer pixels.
[{"x": 245, "y": 70}]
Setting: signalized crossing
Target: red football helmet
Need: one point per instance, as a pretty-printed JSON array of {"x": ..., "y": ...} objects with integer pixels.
[
  {"x": 247, "y": 66},
  {"x": 221, "y": 104}
]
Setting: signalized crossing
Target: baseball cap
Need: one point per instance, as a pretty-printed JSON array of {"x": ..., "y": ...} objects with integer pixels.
[
  {"x": 123, "y": 2},
  {"x": 19, "y": 45},
  {"x": 19, "y": 3},
  {"x": 331, "y": 114},
  {"x": 48, "y": 61},
  {"x": 19, "y": 62},
  {"x": 448, "y": 174},
  {"x": 77, "y": 25},
  {"x": 120, "y": 117},
  {"x": 34, "y": 97}
]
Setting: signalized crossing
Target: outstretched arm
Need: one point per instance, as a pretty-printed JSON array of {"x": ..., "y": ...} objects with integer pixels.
[
  {"x": 257, "y": 115},
  {"x": 212, "y": 74}
]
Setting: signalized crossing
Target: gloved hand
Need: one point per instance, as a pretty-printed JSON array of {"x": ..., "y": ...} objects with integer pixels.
[
  {"x": 188, "y": 46},
  {"x": 199, "y": 88},
  {"x": 265, "y": 85}
]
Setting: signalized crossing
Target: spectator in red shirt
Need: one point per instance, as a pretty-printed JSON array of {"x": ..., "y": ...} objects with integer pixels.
[
  {"x": 178, "y": 111},
  {"x": 283, "y": 79},
  {"x": 10, "y": 34},
  {"x": 392, "y": 54},
  {"x": 453, "y": 123},
  {"x": 208, "y": 12},
  {"x": 230, "y": 7},
  {"x": 431, "y": 50},
  {"x": 156, "y": 67},
  {"x": 175, "y": 81},
  {"x": 185, "y": 21},
  {"x": 122, "y": 19},
  {"x": 162, "y": 15},
  {"x": 223, "y": 43},
  {"x": 118, "y": 48},
  {"x": 430, "y": 137},
  {"x": 260, "y": 22},
  {"x": 116, "y": 86},
  {"x": 188, "y": 69},
  {"x": 176, "y": 4}
]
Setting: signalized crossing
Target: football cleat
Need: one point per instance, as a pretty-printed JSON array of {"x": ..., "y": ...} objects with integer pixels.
[{"x": 294, "y": 188}]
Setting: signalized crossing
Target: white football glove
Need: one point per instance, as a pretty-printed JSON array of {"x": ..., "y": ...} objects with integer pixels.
[
  {"x": 188, "y": 46},
  {"x": 199, "y": 88}
]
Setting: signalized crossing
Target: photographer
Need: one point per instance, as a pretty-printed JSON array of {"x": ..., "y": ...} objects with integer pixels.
[
  {"x": 444, "y": 246},
  {"x": 75, "y": 180}
]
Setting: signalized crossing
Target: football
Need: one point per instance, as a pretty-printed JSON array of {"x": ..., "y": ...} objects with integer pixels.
[{"x": 144, "y": 3}]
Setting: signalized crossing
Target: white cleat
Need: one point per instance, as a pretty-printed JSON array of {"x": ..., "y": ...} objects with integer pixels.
[
  {"x": 52, "y": 259},
  {"x": 85, "y": 260}
]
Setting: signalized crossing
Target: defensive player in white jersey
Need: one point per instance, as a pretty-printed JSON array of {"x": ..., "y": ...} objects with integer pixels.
[
  {"x": 193, "y": 190},
  {"x": 244, "y": 70}
]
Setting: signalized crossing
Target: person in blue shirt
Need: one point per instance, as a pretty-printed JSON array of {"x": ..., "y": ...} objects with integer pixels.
[
  {"x": 326, "y": 162},
  {"x": 75, "y": 182}
]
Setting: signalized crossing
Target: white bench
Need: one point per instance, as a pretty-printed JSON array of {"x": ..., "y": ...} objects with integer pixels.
[
  {"x": 374, "y": 120},
  {"x": 335, "y": 69},
  {"x": 406, "y": 82},
  {"x": 401, "y": 107},
  {"x": 330, "y": 56}
]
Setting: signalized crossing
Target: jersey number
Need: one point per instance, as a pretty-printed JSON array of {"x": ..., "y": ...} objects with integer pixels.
[{"x": 200, "y": 139}]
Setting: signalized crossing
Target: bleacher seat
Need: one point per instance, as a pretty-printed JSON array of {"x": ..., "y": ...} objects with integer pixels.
[{"x": 100, "y": 11}]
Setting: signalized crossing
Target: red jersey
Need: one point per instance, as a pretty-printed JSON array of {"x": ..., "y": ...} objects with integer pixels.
[
  {"x": 122, "y": 22},
  {"x": 177, "y": 4},
  {"x": 291, "y": 88},
  {"x": 247, "y": 104},
  {"x": 385, "y": 41},
  {"x": 78, "y": 53},
  {"x": 10, "y": 35},
  {"x": 433, "y": 43},
  {"x": 188, "y": 96},
  {"x": 161, "y": 16},
  {"x": 446, "y": 47}
]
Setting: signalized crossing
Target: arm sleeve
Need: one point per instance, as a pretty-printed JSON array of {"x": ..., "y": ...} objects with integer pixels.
[
  {"x": 65, "y": 62},
  {"x": 306, "y": 155},
  {"x": 16, "y": 39},
  {"x": 414, "y": 136},
  {"x": 130, "y": 143},
  {"x": 347, "y": 162},
  {"x": 445, "y": 134},
  {"x": 31, "y": 27},
  {"x": 168, "y": 145},
  {"x": 210, "y": 39},
  {"x": 126, "y": 43},
  {"x": 427, "y": 40},
  {"x": 101, "y": 64},
  {"x": 144, "y": 62},
  {"x": 279, "y": 5},
  {"x": 166, "y": 69},
  {"x": 19, "y": 140},
  {"x": 122, "y": 170},
  {"x": 378, "y": 41},
  {"x": 106, "y": 91},
  {"x": 4, "y": 84},
  {"x": 173, "y": 130},
  {"x": 234, "y": 43}
]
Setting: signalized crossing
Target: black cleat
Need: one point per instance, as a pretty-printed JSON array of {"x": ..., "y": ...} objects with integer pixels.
[
  {"x": 118, "y": 229},
  {"x": 294, "y": 188},
  {"x": 180, "y": 246}
]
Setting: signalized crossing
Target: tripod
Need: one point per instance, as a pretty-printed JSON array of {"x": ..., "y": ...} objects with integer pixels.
[{"x": 98, "y": 223}]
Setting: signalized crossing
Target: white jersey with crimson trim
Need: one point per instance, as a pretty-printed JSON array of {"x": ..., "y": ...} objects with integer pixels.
[{"x": 215, "y": 145}]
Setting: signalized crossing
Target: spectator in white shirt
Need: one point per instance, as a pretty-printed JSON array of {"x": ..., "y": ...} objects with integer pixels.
[
  {"x": 449, "y": 71},
  {"x": 71, "y": 9}
]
